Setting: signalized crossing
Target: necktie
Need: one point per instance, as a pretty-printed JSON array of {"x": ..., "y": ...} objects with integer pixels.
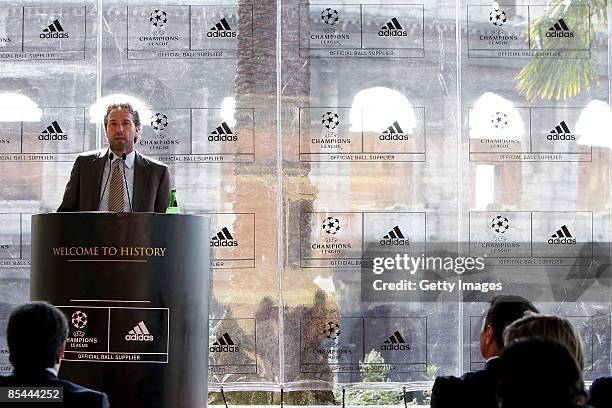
[{"x": 115, "y": 194}]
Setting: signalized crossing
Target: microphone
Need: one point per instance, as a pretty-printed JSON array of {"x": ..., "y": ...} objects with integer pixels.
[
  {"x": 123, "y": 156},
  {"x": 110, "y": 160}
]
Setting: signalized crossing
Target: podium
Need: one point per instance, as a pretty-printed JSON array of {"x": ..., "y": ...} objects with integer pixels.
[{"x": 134, "y": 288}]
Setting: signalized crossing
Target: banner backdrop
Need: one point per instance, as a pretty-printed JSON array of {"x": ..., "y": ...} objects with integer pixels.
[{"x": 319, "y": 136}]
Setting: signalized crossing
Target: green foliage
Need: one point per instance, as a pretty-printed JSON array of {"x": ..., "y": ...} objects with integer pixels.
[
  {"x": 432, "y": 372},
  {"x": 373, "y": 369},
  {"x": 548, "y": 78}
]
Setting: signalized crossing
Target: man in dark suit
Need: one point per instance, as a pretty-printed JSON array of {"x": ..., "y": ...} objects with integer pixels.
[
  {"x": 36, "y": 336},
  {"x": 478, "y": 389},
  {"x": 601, "y": 393},
  {"x": 118, "y": 179}
]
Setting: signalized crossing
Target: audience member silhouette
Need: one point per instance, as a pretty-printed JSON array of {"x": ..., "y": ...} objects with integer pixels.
[
  {"x": 478, "y": 389},
  {"x": 36, "y": 335},
  {"x": 538, "y": 372}
]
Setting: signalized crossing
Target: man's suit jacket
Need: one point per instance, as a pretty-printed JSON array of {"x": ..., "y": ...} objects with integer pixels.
[
  {"x": 151, "y": 183},
  {"x": 477, "y": 389},
  {"x": 75, "y": 396}
]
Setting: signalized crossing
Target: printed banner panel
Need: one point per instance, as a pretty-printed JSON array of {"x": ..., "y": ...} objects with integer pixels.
[
  {"x": 15, "y": 240},
  {"x": 189, "y": 32},
  {"x": 532, "y": 238},
  {"x": 42, "y": 33},
  {"x": 200, "y": 135},
  {"x": 117, "y": 334},
  {"x": 343, "y": 134},
  {"x": 232, "y": 347},
  {"x": 351, "y": 239},
  {"x": 526, "y": 134},
  {"x": 339, "y": 345},
  {"x": 519, "y": 31},
  {"x": 363, "y": 30},
  {"x": 232, "y": 240},
  {"x": 47, "y": 134}
]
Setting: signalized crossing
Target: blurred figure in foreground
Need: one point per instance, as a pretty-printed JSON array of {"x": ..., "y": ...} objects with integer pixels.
[
  {"x": 537, "y": 372},
  {"x": 36, "y": 336}
]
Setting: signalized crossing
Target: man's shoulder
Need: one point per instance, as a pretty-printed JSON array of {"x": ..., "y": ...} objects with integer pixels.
[
  {"x": 490, "y": 370},
  {"x": 447, "y": 391},
  {"x": 476, "y": 388},
  {"x": 78, "y": 389},
  {"x": 487, "y": 374},
  {"x": 447, "y": 380},
  {"x": 79, "y": 396},
  {"x": 150, "y": 161},
  {"x": 72, "y": 392},
  {"x": 469, "y": 377},
  {"x": 92, "y": 154}
]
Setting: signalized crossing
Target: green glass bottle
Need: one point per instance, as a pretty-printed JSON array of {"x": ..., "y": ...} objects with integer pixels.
[{"x": 173, "y": 207}]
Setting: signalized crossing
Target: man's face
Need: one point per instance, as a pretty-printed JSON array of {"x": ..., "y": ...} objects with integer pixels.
[
  {"x": 488, "y": 344},
  {"x": 483, "y": 337},
  {"x": 121, "y": 131}
]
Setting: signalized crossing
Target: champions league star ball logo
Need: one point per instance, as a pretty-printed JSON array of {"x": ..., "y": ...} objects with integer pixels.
[
  {"x": 500, "y": 224},
  {"x": 499, "y": 120},
  {"x": 497, "y": 17},
  {"x": 158, "y": 18},
  {"x": 329, "y": 16},
  {"x": 330, "y": 120},
  {"x": 79, "y": 320},
  {"x": 331, "y": 330},
  {"x": 331, "y": 225},
  {"x": 159, "y": 122}
]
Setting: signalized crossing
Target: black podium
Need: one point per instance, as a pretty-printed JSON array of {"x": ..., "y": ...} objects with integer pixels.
[{"x": 134, "y": 287}]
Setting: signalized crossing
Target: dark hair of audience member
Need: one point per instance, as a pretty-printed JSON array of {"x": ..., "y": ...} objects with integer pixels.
[
  {"x": 505, "y": 309},
  {"x": 538, "y": 372},
  {"x": 35, "y": 334}
]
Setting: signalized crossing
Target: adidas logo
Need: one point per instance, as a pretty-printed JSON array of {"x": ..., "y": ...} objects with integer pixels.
[
  {"x": 53, "y": 132},
  {"x": 223, "y": 133},
  {"x": 54, "y": 30},
  {"x": 395, "y": 237},
  {"x": 562, "y": 236},
  {"x": 139, "y": 333},
  {"x": 393, "y": 132},
  {"x": 392, "y": 29},
  {"x": 221, "y": 29},
  {"x": 224, "y": 343},
  {"x": 559, "y": 29},
  {"x": 223, "y": 239},
  {"x": 561, "y": 132},
  {"x": 395, "y": 342}
]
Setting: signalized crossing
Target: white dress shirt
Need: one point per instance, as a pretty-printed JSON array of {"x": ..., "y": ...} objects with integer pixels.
[{"x": 129, "y": 175}]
